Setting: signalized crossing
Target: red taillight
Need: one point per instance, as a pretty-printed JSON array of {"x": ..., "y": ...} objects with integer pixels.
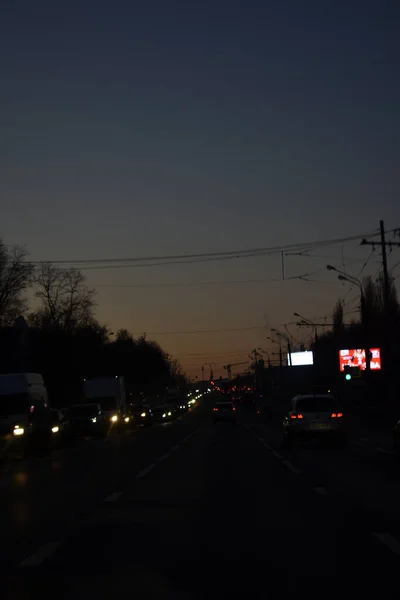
[
  {"x": 300, "y": 416},
  {"x": 297, "y": 416},
  {"x": 258, "y": 412},
  {"x": 233, "y": 408},
  {"x": 293, "y": 416},
  {"x": 340, "y": 415},
  {"x": 336, "y": 415},
  {"x": 215, "y": 408}
]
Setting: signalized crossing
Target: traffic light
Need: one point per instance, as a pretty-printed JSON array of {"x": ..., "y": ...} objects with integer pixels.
[{"x": 347, "y": 372}]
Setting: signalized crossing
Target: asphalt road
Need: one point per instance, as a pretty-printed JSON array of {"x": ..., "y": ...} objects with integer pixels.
[{"x": 195, "y": 510}]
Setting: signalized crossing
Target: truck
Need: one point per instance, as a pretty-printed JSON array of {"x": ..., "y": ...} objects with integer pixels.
[
  {"x": 24, "y": 409},
  {"x": 109, "y": 392}
]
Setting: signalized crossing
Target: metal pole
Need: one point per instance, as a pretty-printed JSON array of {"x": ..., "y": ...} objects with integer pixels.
[{"x": 385, "y": 268}]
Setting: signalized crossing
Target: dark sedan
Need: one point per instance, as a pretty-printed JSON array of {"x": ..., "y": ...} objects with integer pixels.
[{"x": 140, "y": 414}]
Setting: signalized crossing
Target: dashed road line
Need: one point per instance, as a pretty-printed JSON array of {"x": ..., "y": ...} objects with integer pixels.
[
  {"x": 164, "y": 456},
  {"x": 40, "y": 555},
  {"x": 113, "y": 497},
  {"x": 321, "y": 491},
  {"x": 291, "y": 467},
  {"x": 267, "y": 446},
  {"x": 145, "y": 472},
  {"x": 389, "y": 540},
  {"x": 277, "y": 455}
]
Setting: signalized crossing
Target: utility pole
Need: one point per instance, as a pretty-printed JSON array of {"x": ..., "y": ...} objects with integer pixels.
[
  {"x": 202, "y": 372},
  {"x": 383, "y": 244}
]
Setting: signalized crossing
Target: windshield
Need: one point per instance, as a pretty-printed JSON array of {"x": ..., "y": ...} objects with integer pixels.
[
  {"x": 83, "y": 411},
  {"x": 11, "y": 404},
  {"x": 316, "y": 404},
  {"x": 106, "y": 403}
]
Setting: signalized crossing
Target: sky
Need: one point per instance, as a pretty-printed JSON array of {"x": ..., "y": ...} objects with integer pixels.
[{"x": 137, "y": 129}]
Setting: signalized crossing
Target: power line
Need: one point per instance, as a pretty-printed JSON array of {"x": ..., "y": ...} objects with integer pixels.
[
  {"x": 200, "y": 331},
  {"x": 200, "y": 257}
]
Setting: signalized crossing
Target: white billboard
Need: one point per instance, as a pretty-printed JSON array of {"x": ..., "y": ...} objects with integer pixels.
[{"x": 298, "y": 359}]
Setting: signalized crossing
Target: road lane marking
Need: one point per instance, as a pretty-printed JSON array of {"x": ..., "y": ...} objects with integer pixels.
[
  {"x": 291, "y": 467},
  {"x": 389, "y": 540},
  {"x": 40, "y": 555},
  {"x": 277, "y": 455},
  {"x": 113, "y": 497},
  {"x": 321, "y": 490},
  {"x": 175, "y": 448},
  {"x": 164, "y": 456},
  {"x": 145, "y": 472},
  {"x": 384, "y": 451},
  {"x": 267, "y": 446}
]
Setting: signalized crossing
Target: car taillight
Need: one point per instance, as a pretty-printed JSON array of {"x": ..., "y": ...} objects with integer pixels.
[
  {"x": 336, "y": 415},
  {"x": 215, "y": 408},
  {"x": 233, "y": 408},
  {"x": 297, "y": 416}
]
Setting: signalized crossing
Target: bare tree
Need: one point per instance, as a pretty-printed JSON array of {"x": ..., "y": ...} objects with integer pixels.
[
  {"x": 15, "y": 278},
  {"x": 67, "y": 303}
]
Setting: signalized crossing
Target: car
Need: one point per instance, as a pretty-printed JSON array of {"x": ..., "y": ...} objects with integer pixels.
[
  {"x": 224, "y": 410},
  {"x": 60, "y": 427},
  {"x": 140, "y": 414},
  {"x": 314, "y": 415},
  {"x": 164, "y": 412},
  {"x": 88, "y": 420}
]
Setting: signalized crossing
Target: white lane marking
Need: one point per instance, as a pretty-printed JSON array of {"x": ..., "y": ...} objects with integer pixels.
[
  {"x": 291, "y": 467},
  {"x": 174, "y": 448},
  {"x": 145, "y": 472},
  {"x": 163, "y": 457},
  {"x": 113, "y": 497},
  {"x": 321, "y": 490},
  {"x": 277, "y": 455},
  {"x": 384, "y": 451},
  {"x": 268, "y": 447},
  {"x": 389, "y": 540},
  {"x": 40, "y": 555}
]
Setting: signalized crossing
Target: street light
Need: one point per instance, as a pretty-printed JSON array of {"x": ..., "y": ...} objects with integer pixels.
[
  {"x": 309, "y": 322},
  {"x": 286, "y": 337}
]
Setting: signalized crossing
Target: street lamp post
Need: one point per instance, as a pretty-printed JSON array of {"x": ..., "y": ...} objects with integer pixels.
[
  {"x": 343, "y": 276},
  {"x": 280, "y": 349},
  {"x": 285, "y": 337},
  {"x": 310, "y": 322}
]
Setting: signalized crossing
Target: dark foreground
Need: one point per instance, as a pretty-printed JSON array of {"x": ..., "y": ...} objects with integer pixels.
[{"x": 193, "y": 510}]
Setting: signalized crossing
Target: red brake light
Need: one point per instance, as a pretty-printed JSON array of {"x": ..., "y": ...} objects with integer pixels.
[
  {"x": 300, "y": 416},
  {"x": 336, "y": 415},
  {"x": 233, "y": 408},
  {"x": 293, "y": 416},
  {"x": 215, "y": 408},
  {"x": 340, "y": 415}
]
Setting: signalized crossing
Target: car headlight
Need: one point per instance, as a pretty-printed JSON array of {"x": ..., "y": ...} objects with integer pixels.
[
  {"x": 164, "y": 415},
  {"x": 18, "y": 430},
  {"x": 114, "y": 418},
  {"x": 169, "y": 414},
  {"x": 126, "y": 419},
  {"x": 55, "y": 429},
  {"x": 143, "y": 414},
  {"x": 94, "y": 419}
]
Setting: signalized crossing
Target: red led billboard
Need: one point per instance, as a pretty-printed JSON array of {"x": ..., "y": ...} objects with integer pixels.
[{"x": 356, "y": 358}]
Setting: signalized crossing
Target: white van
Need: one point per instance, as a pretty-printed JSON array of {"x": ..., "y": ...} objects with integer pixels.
[{"x": 20, "y": 395}]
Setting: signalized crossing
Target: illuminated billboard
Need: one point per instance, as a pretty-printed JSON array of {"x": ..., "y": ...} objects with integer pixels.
[
  {"x": 297, "y": 359},
  {"x": 356, "y": 358}
]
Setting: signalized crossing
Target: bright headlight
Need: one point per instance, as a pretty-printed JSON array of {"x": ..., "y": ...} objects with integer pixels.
[
  {"x": 169, "y": 414},
  {"x": 143, "y": 414},
  {"x": 55, "y": 429},
  {"x": 18, "y": 430},
  {"x": 94, "y": 419},
  {"x": 164, "y": 415},
  {"x": 126, "y": 419},
  {"x": 114, "y": 418}
]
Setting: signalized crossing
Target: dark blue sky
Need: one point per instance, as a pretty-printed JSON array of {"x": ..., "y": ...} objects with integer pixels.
[{"x": 133, "y": 129}]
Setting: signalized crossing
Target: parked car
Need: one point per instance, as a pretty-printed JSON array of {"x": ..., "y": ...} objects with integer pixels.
[
  {"x": 88, "y": 420},
  {"x": 316, "y": 414}
]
